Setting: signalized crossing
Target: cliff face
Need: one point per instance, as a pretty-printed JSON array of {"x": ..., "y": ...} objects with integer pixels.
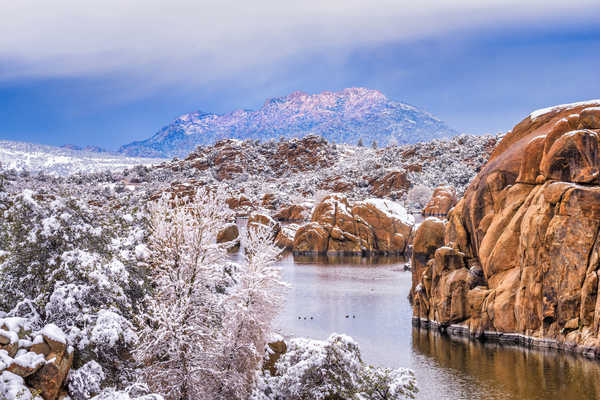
[{"x": 520, "y": 251}]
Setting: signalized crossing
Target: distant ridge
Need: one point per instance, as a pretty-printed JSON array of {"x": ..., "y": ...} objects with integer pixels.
[
  {"x": 63, "y": 161},
  {"x": 342, "y": 117}
]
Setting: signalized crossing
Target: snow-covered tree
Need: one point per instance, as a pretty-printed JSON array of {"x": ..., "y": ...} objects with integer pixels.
[
  {"x": 177, "y": 344},
  {"x": 360, "y": 142},
  {"x": 374, "y": 144},
  {"x": 200, "y": 341},
  {"x": 418, "y": 196},
  {"x": 251, "y": 308}
]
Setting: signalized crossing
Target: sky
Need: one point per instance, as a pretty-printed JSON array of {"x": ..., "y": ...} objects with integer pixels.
[{"x": 109, "y": 72}]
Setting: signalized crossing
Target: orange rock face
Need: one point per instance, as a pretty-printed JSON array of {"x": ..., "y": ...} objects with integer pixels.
[
  {"x": 442, "y": 200},
  {"x": 520, "y": 252},
  {"x": 292, "y": 213},
  {"x": 393, "y": 182},
  {"x": 371, "y": 226}
]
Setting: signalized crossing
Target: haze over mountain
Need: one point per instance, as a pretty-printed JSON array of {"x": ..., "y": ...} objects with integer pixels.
[{"x": 341, "y": 117}]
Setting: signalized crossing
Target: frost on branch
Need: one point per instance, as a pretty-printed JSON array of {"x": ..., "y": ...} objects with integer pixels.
[
  {"x": 181, "y": 332},
  {"x": 251, "y": 308},
  {"x": 199, "y": 341}
]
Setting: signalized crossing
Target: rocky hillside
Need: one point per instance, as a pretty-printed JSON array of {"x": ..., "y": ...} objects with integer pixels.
[
  {"x": 519, "y": 256},
  {"x": 296, "y": 171},
  {"x": 341, "y": 117}
]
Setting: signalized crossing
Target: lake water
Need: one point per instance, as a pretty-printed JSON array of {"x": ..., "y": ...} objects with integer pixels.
[{"x": 367, "y": 299}]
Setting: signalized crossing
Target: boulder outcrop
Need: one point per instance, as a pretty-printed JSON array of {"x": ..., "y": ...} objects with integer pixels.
[
  {"x": 442, "y": 200},
  {"x": 372, "y": 226},
  {"x": 519, "y": 254}
]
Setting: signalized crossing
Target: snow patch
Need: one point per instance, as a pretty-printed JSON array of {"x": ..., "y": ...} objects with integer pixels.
[{"x": 543, "y": 111}]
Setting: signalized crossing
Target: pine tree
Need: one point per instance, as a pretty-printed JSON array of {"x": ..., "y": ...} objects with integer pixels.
[{"x": 360, "y": 142}]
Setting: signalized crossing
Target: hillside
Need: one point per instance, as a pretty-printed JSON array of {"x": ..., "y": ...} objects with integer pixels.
[
  {"x": 340, "y": 117},
  {"x": 62, "y": 161}
]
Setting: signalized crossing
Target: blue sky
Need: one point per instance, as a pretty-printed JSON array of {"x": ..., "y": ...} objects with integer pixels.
[{"x": 117, "y": 71}]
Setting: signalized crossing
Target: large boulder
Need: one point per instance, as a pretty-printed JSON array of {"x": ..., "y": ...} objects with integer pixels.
[
  {"x": 372, "y": 226},
  {"x": 442, "y": 200},
  {"x": 520, "y": 252}
]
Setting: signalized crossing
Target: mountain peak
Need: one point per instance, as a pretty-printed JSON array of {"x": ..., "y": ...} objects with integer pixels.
[{"x": 343, "y": 116}]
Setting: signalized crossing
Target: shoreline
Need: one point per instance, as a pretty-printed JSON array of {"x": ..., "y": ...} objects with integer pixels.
[{"x": 518, "y": 339}]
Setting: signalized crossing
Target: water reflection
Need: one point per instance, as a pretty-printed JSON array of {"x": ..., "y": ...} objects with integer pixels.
[
  {"x": 349, "y": 260},
  {"x": 333, "y": 289},
  {"x": 510, "y": 372}
]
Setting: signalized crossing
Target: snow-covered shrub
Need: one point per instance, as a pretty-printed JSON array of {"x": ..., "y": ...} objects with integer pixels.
[
  {"x": 387, "y": 384},
  {"x": 67, "y": 262},
  {"x": 332, "y": 369},
  {"x": 86, "y": 381},
  {"x": 418, "y": 196},
  {"x": 12, "y": 387}
]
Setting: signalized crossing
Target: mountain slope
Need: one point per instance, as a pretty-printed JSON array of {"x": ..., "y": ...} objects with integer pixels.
[{"x": 341, "y": 117}]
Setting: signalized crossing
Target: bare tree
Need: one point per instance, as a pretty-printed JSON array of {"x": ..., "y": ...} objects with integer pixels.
[
  {"x": 251, "y": 309},
  {"x": 198, "y": 343},
  {"x": 178, "y": 340}
]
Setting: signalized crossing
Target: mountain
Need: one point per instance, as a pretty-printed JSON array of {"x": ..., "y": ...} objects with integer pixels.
[
  {"x": 62, "y": 161},
  {"x": 342, "y": 117}
]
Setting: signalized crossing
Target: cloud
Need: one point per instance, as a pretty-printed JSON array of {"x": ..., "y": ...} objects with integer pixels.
[{"x": 192, "y": 42}]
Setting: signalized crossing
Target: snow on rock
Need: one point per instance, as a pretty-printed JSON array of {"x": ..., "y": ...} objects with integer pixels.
[
  {"x": 54, "y": 333},
  {"x": 543, "y": 111},
  {"x": 392, "y": 210},
  {"x": 338, "y": 226}
]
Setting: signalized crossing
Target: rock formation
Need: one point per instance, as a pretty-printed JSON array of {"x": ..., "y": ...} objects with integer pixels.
[
  {"x": 293, "y": 213},
  {"x": 230, "y": 234},
  {"x": 519, "y": 255},
  {"x": 282, "y": 236},
  {"x": 370, "y": 226},
  {"x": 442, "y": 200}
]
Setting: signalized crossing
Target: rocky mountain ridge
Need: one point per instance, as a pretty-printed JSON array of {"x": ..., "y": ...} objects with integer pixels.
[{"x": 345, "y": 116}]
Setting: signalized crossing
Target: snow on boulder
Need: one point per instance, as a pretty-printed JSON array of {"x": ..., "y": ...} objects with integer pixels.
[
  {"x": 55, "y": 338},
  {"x": 373, "y": 226}
]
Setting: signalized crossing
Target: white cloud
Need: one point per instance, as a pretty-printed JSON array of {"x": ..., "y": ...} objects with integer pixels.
[{"x": 206, "y": 40}]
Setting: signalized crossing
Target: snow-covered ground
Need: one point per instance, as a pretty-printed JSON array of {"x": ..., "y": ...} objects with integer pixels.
[{"x": 61, "y": 161}]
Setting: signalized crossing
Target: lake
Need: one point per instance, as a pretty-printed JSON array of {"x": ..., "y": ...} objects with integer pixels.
[{"x": 366, "y": 298}]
